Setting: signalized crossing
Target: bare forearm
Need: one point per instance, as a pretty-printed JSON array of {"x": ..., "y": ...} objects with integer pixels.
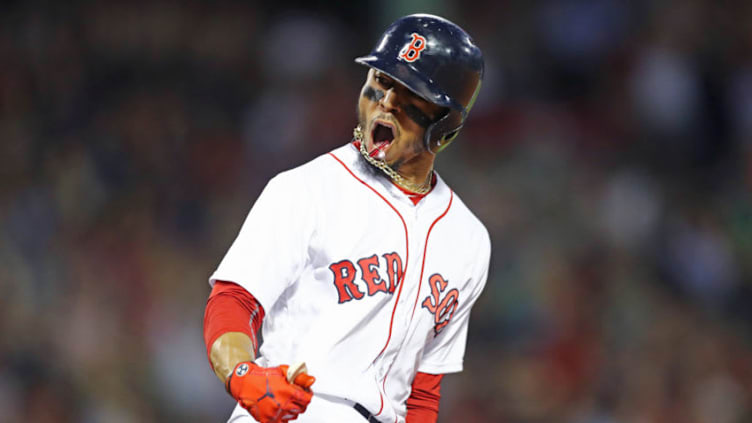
[{"x": 228, "y": 350}]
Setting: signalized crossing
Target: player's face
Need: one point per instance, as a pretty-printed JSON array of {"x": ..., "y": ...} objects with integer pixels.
[{"x": 394, "y": 120}]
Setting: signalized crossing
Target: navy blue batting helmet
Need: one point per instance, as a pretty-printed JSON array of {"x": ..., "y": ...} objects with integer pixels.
[{"x": 438, "y": 61}]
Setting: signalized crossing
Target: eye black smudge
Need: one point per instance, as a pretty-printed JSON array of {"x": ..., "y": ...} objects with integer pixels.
[
  {"x": 417, "y": 116},
  {"x": 373, "y": 94}
]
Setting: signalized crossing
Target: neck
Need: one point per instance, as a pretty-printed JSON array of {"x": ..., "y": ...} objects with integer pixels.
[{"x": 417, "y": 172}]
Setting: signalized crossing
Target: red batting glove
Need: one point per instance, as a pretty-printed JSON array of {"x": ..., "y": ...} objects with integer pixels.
[{"x": 266, "y": 393}]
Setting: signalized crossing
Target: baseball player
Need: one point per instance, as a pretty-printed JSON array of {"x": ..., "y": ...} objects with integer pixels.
[{"x": 362, "y": 264}]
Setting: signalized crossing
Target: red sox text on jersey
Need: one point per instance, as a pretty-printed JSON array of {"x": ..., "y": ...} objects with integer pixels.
[{"x": 371, "y": 272}]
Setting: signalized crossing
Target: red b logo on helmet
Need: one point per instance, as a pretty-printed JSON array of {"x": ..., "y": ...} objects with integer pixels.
[{"x": 411, "y": 51}]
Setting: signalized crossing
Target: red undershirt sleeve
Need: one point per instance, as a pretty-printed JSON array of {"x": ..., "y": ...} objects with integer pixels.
[
  {"x": 230, "y": 308},
  {"x": 423, "y": 403}
]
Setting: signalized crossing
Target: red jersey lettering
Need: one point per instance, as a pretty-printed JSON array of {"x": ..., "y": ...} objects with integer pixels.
[
  {"x": 369, "y": 269},
  {"x": 344, "y": 275},
  {"x": 442, "y": 308},
  {"x": 393, "y": 270}
]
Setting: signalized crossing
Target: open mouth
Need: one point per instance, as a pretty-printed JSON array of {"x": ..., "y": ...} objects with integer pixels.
[{"x": 382, "y": 137}]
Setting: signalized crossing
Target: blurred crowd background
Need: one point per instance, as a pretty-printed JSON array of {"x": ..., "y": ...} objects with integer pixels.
[{"x": 609, "y": 155}]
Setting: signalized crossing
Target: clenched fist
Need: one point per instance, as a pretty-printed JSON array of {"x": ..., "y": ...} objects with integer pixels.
[{"x": 266, "y": 393}]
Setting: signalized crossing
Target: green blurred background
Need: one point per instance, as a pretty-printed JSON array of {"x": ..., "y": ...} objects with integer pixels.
[{"x": 609, "y": 155}]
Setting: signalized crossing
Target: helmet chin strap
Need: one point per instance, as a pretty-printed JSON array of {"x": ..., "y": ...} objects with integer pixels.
[{"x": 393, "y": 174}]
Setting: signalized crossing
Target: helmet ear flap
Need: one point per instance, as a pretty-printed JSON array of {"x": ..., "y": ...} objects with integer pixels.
[
  {"x": 444, "y": 142},
  {"x": 443, "y": 131}
]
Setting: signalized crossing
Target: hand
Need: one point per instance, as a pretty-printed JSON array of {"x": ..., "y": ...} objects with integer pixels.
[{"x": 266, "y": 393}]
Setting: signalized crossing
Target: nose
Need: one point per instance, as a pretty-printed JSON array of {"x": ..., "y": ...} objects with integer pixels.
[{"x": 390, "y": 101}]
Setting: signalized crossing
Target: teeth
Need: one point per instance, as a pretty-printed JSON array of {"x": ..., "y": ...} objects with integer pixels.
[{"x": 378, "y": 154}]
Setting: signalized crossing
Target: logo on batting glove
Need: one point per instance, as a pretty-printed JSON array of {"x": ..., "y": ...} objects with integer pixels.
[{"x": 241, "y": 370}]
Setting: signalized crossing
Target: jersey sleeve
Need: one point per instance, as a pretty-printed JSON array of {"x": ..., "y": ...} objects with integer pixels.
[
  {"x": 444, "y": 353},
  {"x": 271, "y": 249}
]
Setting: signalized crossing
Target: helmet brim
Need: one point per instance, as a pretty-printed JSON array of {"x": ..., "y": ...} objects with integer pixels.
[{"x": 411, "y": 78}]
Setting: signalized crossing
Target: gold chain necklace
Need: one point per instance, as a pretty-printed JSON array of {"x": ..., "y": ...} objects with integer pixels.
[{"x": 396, "y": 177}]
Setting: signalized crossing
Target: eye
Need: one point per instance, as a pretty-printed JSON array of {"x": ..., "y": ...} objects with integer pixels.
[{"x": 383, "y": 80}]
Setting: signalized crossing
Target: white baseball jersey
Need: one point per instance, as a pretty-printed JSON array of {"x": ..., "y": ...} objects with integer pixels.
[{"x": 357, "y": 281}]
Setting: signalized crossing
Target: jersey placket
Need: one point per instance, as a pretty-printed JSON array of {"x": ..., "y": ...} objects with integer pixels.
[{"x": 417, "y": 233}]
